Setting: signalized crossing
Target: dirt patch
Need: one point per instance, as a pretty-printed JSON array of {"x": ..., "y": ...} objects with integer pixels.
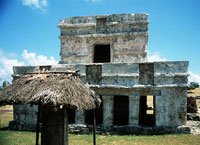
[{"x": 5, "y": 111}]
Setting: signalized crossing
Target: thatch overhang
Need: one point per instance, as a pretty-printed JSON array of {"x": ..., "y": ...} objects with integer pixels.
[{"x": 51, "y": 88}]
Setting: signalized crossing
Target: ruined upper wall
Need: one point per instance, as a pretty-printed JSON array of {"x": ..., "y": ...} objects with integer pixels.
[
  {"x": 104, "y": 24},
  {"x": 127, "y": 35},
  {"x": 123, "y": 75}
]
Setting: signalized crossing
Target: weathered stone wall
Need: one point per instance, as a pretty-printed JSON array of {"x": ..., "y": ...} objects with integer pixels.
[
  {"x": 171, "y": 107},
  {"x": 125, "y": 79},
  {"x": 127, "y": 48},
  {"x": 115, "y": 23},
  {"x": 123, "y": 75},
  {"x": 127, "y": 35},
  {"x": 25, "y": 117}
]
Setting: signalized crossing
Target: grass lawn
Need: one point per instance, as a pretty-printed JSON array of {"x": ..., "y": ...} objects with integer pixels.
[
  {"x": 28, "y": 138},
  {"x": 5, "y": 117}
]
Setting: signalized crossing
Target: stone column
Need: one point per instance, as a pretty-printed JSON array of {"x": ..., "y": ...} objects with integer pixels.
[
  {"x": 134, "y": 107},
  {"x": 80, "y": 117},
  {"x": 108, "y": 107}
]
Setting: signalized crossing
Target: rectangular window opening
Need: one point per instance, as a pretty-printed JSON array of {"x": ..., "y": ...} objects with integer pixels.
[{"x": 101, "y": 53}]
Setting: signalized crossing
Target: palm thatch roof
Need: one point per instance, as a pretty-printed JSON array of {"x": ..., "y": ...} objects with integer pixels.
[{"x": 51, "y": 88}]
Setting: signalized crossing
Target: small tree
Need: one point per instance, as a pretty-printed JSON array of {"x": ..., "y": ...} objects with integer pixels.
[{"x": 193, "y": 85}]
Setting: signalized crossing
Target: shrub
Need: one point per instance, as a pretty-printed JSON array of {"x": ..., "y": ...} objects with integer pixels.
[
  {"x": 191, "y": 105},
  {"x": 193, "y": 85}
]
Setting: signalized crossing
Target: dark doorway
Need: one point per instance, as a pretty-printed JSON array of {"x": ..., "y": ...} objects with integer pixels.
[
  {"x": 99, "y": 115},
  {"x": 89, "y": 117},
  {"x": 101, "y": 53},
  {"x": 147, "y": 111},
  {"x": 121, "y": 110},
  {"x": 71, "y": 115}
]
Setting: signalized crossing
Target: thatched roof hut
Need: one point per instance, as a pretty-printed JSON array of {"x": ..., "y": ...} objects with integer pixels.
[
  {"x": 55, "y": 92},
  {"x": 51, "y": 88}
]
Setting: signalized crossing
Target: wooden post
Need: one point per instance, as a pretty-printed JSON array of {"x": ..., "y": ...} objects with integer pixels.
[
  {"x": 94, "y": 127},
  {"x": 0, "y": 120},
  {"x": 38, "y": 125},
  {"x": 65, "y": 127},
  {"x": 53, "y": 126}
]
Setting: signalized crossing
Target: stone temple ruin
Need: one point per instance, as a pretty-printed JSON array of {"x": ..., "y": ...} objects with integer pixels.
[{"x": 111, "y": 53}]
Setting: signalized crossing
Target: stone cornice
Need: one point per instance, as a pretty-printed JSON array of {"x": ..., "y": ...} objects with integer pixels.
[
  {"x": 105, "y": 35},
  {"x": 62, "y": 26}
]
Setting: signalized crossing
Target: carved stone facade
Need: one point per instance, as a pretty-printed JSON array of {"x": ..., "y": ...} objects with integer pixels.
[
  {"x": 110, "y": 53},
  {"x": 126, "y": 35}
]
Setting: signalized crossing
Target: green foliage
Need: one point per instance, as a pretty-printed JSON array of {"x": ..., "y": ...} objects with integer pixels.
[
  {"x": 193, "y": 85},
  {"x": 1, "y": 88}
]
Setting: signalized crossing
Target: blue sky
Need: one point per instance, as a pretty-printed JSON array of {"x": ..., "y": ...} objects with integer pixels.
[{"x": 29, "y": 33}]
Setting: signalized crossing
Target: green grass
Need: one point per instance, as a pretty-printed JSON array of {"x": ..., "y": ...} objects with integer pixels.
[
  {"x": 28, "y": 138},
  {"x": 17, "y": 138},
  {"x": 5, "y": 118}
]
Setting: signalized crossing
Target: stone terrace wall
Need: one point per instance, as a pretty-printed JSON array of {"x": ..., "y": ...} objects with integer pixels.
[{"x": 123, "y": 75}]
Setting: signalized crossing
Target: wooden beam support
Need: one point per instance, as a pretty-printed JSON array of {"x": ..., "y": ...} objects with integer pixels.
[
  {"x": 38, "y": 125},
  {"x": 65, "y": 127},
  {"x": 94, "y": 127}
]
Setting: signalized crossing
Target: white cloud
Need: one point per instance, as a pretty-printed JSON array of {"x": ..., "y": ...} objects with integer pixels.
[
  {"x": 33, "y": 59},
  {"x": 194, "y": 77},
  {"x": 155, "y": 57},
  {"x": 6, "y": 65},
  {"x": 40, "y": 4},
  {"x": 7, "y": 61},
  {"x": 94, "y": 1}
]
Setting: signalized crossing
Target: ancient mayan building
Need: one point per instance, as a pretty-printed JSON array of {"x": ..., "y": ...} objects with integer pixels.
[{"x": 111, "y": 53}]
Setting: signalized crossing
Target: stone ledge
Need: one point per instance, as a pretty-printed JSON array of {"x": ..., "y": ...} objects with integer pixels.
[
  {"x": 137, "y": 86},
  {"x": 104, "y": 35},
  {"x": 62, "y": 26}
]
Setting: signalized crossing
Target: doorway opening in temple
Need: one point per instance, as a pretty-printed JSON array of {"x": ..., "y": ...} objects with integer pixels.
[
  {"x": 71, "y": 115},
  {"x": 101, "y": 53},
  {"x": 147, "y": 111},
  {"x": 121, "y": 110},
  {"x": 99, "y": 115}
]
